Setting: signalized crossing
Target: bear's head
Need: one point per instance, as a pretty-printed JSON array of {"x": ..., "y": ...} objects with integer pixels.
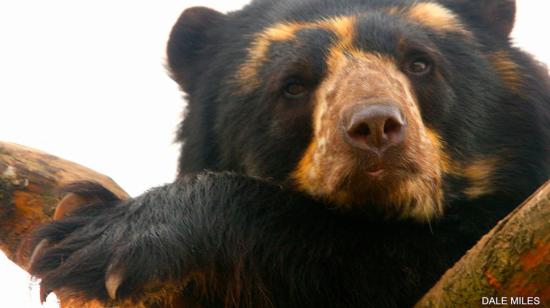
[{"x": 399, "y": 106}]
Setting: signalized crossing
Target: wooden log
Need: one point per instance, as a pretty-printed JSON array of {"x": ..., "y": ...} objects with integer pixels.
[
  {"x": 29, "y": 180},
  {"x": 508, "y": 266}
]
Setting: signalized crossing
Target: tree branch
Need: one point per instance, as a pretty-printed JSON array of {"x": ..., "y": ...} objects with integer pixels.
[
  {"x": 511, "y": 264},
  {"x": 29, "y": 180}
]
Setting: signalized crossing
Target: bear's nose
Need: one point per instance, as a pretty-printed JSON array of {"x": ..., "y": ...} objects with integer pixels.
[{"x": 373, "y": 127}]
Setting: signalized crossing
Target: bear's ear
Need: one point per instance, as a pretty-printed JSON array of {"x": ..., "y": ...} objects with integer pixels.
[
  {"x": 191, "y": 41},
  {"x": 496, "y": 16}
]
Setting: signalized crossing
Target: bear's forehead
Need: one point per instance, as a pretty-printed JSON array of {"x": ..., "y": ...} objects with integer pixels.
[
  {"x": 310, "y": 12},
  {"x": 385, "y": 29}
]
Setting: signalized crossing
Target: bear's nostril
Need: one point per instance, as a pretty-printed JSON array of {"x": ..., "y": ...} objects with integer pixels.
[
  {"x": 362, "y": 130},
  {"x": 374, "y": 127},
  {"x": 392, "y": 126}
]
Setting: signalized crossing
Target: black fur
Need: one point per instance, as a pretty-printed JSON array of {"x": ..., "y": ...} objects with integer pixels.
[
  {"x": 89, "y": 190},
  {"x": 258, "y": 243}
]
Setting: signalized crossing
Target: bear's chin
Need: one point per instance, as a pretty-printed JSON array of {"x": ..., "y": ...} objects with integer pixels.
[{"x": 393, "y": 193}]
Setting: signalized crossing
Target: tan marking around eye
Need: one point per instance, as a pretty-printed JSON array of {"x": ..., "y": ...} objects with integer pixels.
[
  {"x": 257, "y": 54},
  {"x": 436, "y": 17},
  {"x": 343, "y": 27},
  {"x": 247, "y": 74}
]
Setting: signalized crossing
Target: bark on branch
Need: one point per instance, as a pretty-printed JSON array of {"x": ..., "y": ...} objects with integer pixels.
[{"x": 510, "y": 265}]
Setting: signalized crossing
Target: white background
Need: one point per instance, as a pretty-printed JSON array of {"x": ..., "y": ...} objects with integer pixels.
[{"x": 85, "y": 80}]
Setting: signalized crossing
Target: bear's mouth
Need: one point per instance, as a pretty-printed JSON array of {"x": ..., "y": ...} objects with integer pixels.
[
  {"x": 376, "y": 173},
  {"x": 397, "y": 192},
  {"x": 391, "y": 166},
  {"x": 400, "y": 186}
]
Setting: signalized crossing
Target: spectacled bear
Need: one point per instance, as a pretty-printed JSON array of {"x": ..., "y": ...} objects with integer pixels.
[{"x": 333, "y": 154}]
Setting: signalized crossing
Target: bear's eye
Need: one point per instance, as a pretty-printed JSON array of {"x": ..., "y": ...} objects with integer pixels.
[
  {"x": 295, "y": 90},
  {"x": 419, "y": 66}
]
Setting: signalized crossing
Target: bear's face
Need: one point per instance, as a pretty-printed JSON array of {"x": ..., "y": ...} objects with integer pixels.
[
  {"x": 378, "y": 147},
  {"x": 385, "y": 104}
]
